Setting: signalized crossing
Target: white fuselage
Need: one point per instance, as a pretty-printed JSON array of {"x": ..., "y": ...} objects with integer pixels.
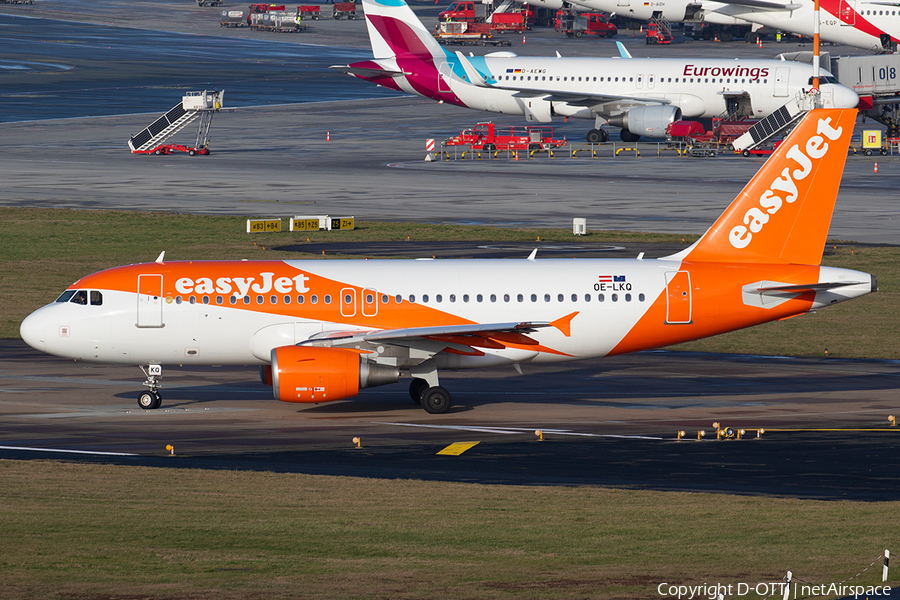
[{"x": 861, "y": 25}]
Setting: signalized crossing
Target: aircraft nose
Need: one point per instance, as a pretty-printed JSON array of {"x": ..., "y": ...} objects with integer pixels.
[
  {"x": 33, "y": 330},
  {"x": 845, "y": 97}
]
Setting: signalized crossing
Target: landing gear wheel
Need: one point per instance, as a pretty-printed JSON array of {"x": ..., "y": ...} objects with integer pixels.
[
  {"x": 596, "y": 136},
  {"x": 726, "y": 36},
  {"x": 628, "y": 137},
  {"x": 149, "y": 400},
  {"x": 416, "y": 388},
  {"x": 436, "y": 400}
]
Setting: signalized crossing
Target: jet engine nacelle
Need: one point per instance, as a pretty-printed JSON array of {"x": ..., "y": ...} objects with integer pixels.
[
  {"x": 317, "y": 374},
  {"x": 650, "y": 121}
]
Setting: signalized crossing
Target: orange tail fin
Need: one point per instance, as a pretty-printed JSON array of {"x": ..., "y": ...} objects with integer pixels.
[{"x": 783, "y": 214}]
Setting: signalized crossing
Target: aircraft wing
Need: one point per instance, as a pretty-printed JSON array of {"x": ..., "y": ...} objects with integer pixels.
[
  {"x": 464, "y": 339},
  {"x": 386, "y": 335},
  {"x": 582, "y": 99}
]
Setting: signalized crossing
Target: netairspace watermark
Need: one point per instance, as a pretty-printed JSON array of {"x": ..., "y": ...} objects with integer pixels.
[{"x": 797, "y": 590}]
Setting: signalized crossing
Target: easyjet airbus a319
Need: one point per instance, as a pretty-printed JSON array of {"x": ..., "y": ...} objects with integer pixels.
[{"x": 323, "y": 330}]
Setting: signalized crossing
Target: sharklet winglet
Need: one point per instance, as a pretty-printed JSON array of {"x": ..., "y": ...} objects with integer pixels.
[
  {"x": 623, "y": 52},
  {"x": 564, "y": 324}
]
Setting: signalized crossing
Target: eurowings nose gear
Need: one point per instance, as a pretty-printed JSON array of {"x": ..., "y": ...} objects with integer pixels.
[{"x": 33, "y": 330}]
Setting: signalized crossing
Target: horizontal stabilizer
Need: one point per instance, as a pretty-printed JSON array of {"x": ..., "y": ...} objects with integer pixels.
[
  {"x": 471, "y": 72},
  {"x": 366, "y": 71},
  {"x": 811, "y": 287}
]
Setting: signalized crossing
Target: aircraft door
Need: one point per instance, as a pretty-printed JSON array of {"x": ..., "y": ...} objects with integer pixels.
[
  {"x": 445, "y": 73},
  {"x": 623, "y": 3},
  {"x": 150, "y": 302},
  {"x": 782, "y": 77},
  {"x": 348, "y": 302},
  {"x": 369, "y": 303},
  {"x": 848, "y": 13},
  {"x": 678, "y": 297}
]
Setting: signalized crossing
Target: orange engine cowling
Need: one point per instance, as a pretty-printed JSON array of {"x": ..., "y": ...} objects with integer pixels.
[{"x": 319, "y": 374}]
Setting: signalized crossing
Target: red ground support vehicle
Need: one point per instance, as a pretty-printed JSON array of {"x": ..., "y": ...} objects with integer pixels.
[
  {"x": 467, "y": 12},
  {"x": 261, "y": 8},
  {"x": 344, "y": 9},
  {"x": 658, "y": 33},
  {"x": 576, "y": 25},
  {"x": 692, "y": 134},
  {"x": 172, "y": 148},
  {"x": 489, "y": 139},
  {"x": 505, "y": 22},
  {"x": 311, "y": 12}
]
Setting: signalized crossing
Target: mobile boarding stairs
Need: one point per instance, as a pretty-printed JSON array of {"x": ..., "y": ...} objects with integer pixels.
[
  {"x": 194, "y": 105},
  {"x": 776, "y": 123}
]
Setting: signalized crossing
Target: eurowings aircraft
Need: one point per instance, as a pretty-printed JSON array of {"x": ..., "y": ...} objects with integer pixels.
[
  {"x": 323, "y": 330},
  {"x": 640, "y": 95},
  {"x": 869, "y": 24}
]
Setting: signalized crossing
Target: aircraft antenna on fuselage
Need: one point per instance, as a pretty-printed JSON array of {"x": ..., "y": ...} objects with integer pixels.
[{"x": 161, "y": 257}]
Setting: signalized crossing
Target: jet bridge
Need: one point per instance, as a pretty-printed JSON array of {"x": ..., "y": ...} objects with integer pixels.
[{"x": 194, "y": 105}]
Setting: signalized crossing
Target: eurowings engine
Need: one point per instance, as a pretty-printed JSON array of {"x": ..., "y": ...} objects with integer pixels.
[{"x": 323, "y": 330}]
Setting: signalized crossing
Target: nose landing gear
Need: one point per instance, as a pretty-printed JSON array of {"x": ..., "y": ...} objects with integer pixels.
[{"x": 151, "y": 399}]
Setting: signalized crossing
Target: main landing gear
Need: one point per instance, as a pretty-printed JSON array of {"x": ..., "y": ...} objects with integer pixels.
[
  {"x": 596, "y": 136},
  {"x": 151, "y": 399},
  {"x": 433, "y": 398}
]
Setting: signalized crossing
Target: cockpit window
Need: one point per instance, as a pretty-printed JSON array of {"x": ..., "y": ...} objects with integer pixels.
[
  {"x": 824, "y": 79},
  {"x": 96, "y": 298},
  {"x": 66, "y": 295},
  {"x": 80, "y": 297}
]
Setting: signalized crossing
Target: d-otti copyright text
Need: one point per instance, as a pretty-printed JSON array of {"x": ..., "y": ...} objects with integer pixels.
[{"x": 764, "y": 589}]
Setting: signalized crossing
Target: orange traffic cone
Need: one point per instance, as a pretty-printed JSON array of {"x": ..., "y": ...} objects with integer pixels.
[
  {"x": 876, "y": 167},
  {"x": 759, "y": 42},
  {"x": 516, "y": 155},
  {"x": 523, "y": 39},
  {"x": 328, "y": 136}
]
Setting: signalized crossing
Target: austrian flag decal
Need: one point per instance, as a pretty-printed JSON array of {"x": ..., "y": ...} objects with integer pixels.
[{"x": 611, "y": 279}]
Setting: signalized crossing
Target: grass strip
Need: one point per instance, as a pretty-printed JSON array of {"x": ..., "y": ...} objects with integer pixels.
[
  {"x": 100, "y": 531},
  {"x": 43, "y": 250}
]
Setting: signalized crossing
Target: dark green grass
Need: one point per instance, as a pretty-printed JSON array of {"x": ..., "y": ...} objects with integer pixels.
[{"x": 86, "y": 532}]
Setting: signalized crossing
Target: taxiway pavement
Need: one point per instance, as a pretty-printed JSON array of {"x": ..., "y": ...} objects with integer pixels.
[{"x": 609, "y": 422}]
